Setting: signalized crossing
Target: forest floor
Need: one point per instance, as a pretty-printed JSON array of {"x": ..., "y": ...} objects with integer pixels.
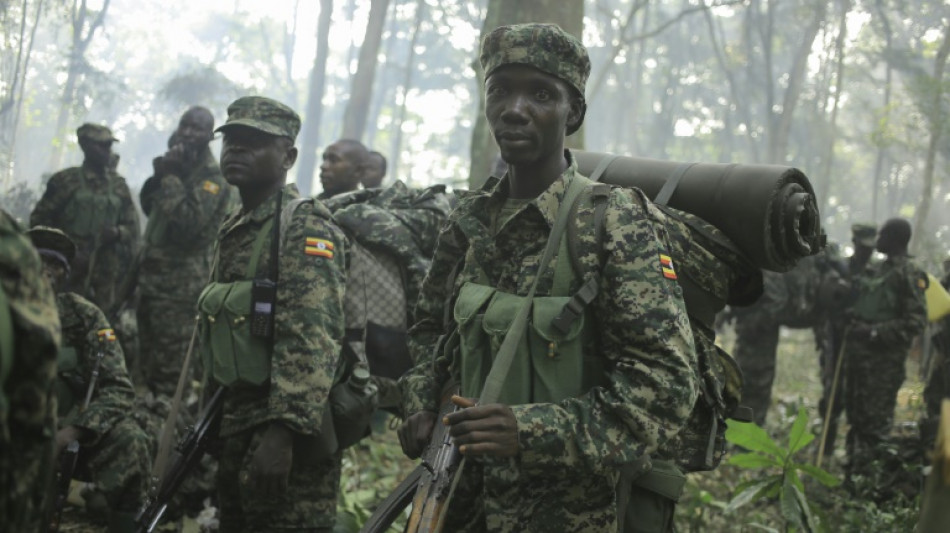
[{"x": 375, "y": 466}]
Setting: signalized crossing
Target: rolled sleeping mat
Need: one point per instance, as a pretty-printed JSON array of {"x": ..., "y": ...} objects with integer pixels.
[{"x": 768, "y": 211}]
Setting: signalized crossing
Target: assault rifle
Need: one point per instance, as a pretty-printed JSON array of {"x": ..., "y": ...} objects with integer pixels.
[
  {"x": 433, "y": 483},
  {"x": 188, "y": 454}
]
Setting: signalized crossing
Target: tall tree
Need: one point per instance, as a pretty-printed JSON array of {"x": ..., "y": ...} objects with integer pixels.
[
  {"x": 310, "y": 136},
  {"x": 396, "y": 148},
  {"x": 84, "y": 22},
  {"x": 13, "y": 68},
  {"x": 936, "y": 126},
  {"x": 361, "y": 89},
  {"x": 569, "y": 15}
]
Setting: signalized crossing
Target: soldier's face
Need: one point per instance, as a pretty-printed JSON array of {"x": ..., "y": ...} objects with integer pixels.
[
  {"x": 340, "y": 171},
  {"x": 528, "y": 112},
  {"x": 195, "y": 129},
  {"x": 253, "y": 159},
  {"x": 55, "y": 272},
  {"x": 98, "y": 153}
]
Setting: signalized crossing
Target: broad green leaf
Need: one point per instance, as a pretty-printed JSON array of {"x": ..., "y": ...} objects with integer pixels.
[
  {"x": 754, "y": 460},
  {"x": 792, "y": 475},
  {"x": 753, "y": 438},
  {"x": 752, "y": 493},
  {"x": 810, "y": 524},
  {"x": 791, "y": 509},
  {"x": 799, "y": 436},
  {"x": 819, "y": 474},
  {"x": 774, "y": 489}
]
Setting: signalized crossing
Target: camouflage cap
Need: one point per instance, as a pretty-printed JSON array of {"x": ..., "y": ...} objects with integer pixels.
[
  {"x": 95, "y": 132},
  {"x": 263, "y": 114},
  {"x": 545, "y": 47},
  {"x": 864, "y": 234},
  {"x": 52, "y": 242}
]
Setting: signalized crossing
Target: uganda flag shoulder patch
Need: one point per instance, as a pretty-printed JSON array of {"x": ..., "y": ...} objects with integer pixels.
[
  {"x": 106, "y": 335},
  {"x": 211, "y": 187},
  {"x": 666, "y": 265},
  {"x": 319, "y": 247}
]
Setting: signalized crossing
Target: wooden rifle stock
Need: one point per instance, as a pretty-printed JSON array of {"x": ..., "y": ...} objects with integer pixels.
[{"x": 442, "y": 465}]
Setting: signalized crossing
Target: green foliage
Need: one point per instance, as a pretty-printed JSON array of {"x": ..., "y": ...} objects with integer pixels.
[{"x": 781, "y": 474}]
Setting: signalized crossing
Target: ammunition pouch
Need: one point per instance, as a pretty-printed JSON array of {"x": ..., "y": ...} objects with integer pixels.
[
  {"x": 652, "y": 499},
  {"x": 229, "y": 352},
  {"x": 90, "y": 211}
]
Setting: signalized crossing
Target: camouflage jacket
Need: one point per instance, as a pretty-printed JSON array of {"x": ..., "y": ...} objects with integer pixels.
[
  {"x": 36, "y": 329},
  {"x": 642, "y": 329},
  {"x": 184, "y": 213},
  {"x": 308, "y": 325},
  {"x": 27, "y": 420},
  {"x": 53, "y": 208},
  {"x": 86, "y": 330},
  {"x": 890, "y": 299}
]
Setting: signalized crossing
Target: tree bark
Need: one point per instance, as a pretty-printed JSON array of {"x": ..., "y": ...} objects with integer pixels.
[
  {"x": 74, "y": 69},
  {"x": 361, "y": 89},
  {"x": 936, "y": 126},
  {"x": 569, "y": 15},
  {"x": 838, "y": 82},
  {"x": 310, "y": 138},
  {"x": 396, "y": 149}
]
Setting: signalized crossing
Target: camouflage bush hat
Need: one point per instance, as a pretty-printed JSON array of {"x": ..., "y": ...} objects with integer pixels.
[
  {"x": 864, "y": 234},
  {"x": 95, "y": 132},
  {"x": 263, "y": 114},
  {"x": 545, "y": 47},
  {"x": 52, "y": 242}
]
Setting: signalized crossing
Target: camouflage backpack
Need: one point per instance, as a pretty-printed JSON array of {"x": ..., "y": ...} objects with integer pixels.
[
  {"x": 712, "y": 272},
  {"x": 392, "y": 234}
]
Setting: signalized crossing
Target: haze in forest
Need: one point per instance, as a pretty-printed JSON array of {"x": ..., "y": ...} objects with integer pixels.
[{"x": 853, "y": 93}]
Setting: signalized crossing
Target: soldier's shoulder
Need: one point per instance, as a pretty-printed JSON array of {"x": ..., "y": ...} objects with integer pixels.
[
  {"x": 70, "y": 302},
  {"x": 65, "y": 176}
]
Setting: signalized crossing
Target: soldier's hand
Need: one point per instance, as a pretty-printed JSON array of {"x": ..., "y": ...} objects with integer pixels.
[
  {"x": 271, "y": 462},
  {"x": 484, "y": 429},
  {"x": 415, "y": 432},
  {"x": 175, "y": 158},
  {"x": 158, "y": 166},
  {"x": 66, "y": 435}
]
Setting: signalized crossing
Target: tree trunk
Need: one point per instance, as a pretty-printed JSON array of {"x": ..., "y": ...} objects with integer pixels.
[
  {"x": 569, "y": 15},
  {"x": 838, "y": 82},
  {"x": 11, "y": 101},
  {"x": 884, "y": 122},
  {"x": 935, "y": 122},
  {"x": 310, "y": 138},
  {"x": 74, "y": 70},
  {"x": 361, "y": 89},
  {"x": 396, "y": 149}
]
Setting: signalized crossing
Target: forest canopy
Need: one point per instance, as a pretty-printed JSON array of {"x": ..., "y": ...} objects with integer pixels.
[{"x": 855, "y": 93}]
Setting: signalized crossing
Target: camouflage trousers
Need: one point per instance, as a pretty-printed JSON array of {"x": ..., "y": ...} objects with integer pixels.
[
  {"x": 26, "y": 471},
  {"x": 873, "y": 375},
  {"x": 165, "y": 329},
  {"x": 308, "y": 505},
  {"x": 755, "y": 351},
  {"x": 119, "y": 464}
]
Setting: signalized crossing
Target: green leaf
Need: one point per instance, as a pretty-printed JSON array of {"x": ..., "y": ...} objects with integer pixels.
[
  {"x": 753, "y": 438},
  {"x": 799, "y": 436},
  {"x": 752, "y": 493},
  {"x": 810, "y": 524},
  {"x": 819, "y": 474},
  {"x": 791, "y": 509},
  {"x": 753, "y": 460},
  {"x": 792, "y": 475}
]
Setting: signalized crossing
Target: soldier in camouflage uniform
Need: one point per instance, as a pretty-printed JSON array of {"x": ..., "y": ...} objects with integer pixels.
[
  {"x": 93, "y": 205},
  {"x": 835, "y": 291},
  {"x": 29, "y": 341},
  {"x": 937, "y": 386},
  {"x": 757, "y": 331},
  {"x": 888, "y": 312},
  {"x": 544, "y": 459},
  {"x": 185, "y": 201},
  {"x": 115, "y": 452},
  {"x": 375, "y": 170},
  {"x": 343, "y": 167},
  {"x": 272, "y": 475}
]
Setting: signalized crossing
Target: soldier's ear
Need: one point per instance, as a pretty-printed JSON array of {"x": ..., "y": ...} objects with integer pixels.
[
  {"x": 575, "y": 115},
  {"x": 290, "y": 157}
]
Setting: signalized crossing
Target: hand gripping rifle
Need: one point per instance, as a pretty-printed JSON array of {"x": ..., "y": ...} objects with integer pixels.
[
  {"x": 188, "y": 454},
  {"x": 69, "y": 457},
  {"x": 428, "y": 487}
]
